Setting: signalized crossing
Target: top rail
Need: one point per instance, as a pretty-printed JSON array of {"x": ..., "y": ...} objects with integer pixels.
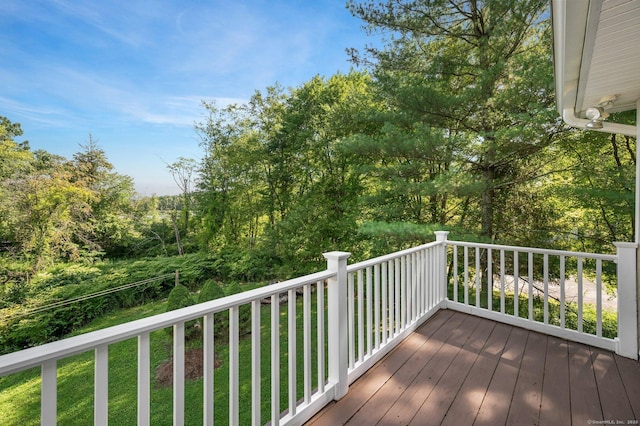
[
  {"x": 392, "y": 256},
  {"x": 32, "y": 357},
  {"x": 609, "y": 257}
]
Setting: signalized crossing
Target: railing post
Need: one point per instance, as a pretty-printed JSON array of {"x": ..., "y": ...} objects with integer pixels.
[
  {"x": 337, "y": 322},
  {"x": 441, "y": 237},
  {"x": 627, "y": 344}
]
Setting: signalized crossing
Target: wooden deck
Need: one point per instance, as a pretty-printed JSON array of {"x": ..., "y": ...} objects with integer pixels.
[{"x": 459, "y": 369}]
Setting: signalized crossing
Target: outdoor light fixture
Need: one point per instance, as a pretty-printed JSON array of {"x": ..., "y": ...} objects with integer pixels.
[{"x": 596, "y": 116}]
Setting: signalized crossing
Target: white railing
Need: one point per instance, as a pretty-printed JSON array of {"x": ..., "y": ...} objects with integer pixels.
[
  {"x": 317, "y": 390},
  {"x": 390, "y": 296},
  {"x": 362, "y": 311},
  {"x": 545, "y": 290}
]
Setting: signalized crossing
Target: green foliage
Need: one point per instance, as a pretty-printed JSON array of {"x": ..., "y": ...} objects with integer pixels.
[
  {"x": 179, "y": 297},
  {"x": 54, "y": 209},
  {"x": 15, "y": 157},
  {"x": 244, "y": 312},
  {"x": 466, "y": 113},
  {"x": 182, "y": 171},
  {"x": 20, "y": 329},
  {"x": 276, "y": 186},
  {"x": 210, "y": 291},
  {"x": 385, "y": 237}
]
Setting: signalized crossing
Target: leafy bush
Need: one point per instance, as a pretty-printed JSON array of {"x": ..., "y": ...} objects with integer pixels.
[
  {"x": 213, "y": 291},
  {"x": 210, "y": 291},
  {"x": 179, "y": 298},
  {"x": 244, "y": 314},
  {"x": 20, "y": 329}
]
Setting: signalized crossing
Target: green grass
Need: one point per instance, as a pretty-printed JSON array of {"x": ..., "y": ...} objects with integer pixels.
[{"x": 20, "y": 393}]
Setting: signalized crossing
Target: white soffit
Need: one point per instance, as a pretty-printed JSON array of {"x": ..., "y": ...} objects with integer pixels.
[{"x": 597, "y": 53}]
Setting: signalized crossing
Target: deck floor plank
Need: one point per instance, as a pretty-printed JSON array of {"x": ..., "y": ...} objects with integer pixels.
[
  {"x": 630, "y": 374},
  {"x": 411, "y": 398},
  {"x": 525, "y": 403},
  {"x": 400, "y": 398},
  {"x": 585, "y": 404},
  {"x": 436, "y": 404},
  {"x": 555, "y": 406},
  {"x": 460, "y": 369},
  {"x": 495, "y": 406},
  {"x": 464, "y": 408},
  {"x": 613, "y": 397},
  {"x": 365, "y": 390}
]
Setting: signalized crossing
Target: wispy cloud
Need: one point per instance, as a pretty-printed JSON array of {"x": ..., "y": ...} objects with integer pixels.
[{"x": 45, "y": 115}]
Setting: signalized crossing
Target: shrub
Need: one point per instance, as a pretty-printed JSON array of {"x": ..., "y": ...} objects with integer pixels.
[
  {"x": 244, "y": 314},
  {"x": 179, "y": 298},
  {"x": 210, "y": 291}
]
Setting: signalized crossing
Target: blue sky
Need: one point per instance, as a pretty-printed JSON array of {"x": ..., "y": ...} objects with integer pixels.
[{"x": 133, "y": 73}]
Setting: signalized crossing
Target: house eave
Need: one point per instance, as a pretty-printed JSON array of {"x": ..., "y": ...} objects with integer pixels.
[{"x": 574, "y": 26}]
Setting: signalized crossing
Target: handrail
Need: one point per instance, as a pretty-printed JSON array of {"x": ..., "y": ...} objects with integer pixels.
[
  {"x": 395, "y": 255},
  {"x": 554, "y": 252}
]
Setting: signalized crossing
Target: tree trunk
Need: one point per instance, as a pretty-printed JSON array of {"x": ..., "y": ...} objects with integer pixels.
[
  {"x": 487, "y": 207},
  {"x": 177, "y": 233}
]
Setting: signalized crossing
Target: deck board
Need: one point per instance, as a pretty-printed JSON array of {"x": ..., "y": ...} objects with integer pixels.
[
  {"x": 459, "y": 369},
  {"x": 401, "y": 392},
  {"x": 614, "y": 401},
  {"x": 437, "y": 404},
  {"x": 629, "y": 374},
  {"x": 368, "y": 390},
  {"x": 556, "y": 393},
  {"x": 585, "y": 404},
  {"x": 465, "y": 407},
  {"x": 528, "y": 391},
  {"x": 495, "y": 406},
  {"x": 423, "y": 384}
]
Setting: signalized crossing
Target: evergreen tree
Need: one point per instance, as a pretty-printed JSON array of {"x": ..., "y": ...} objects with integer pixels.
[{"x": 480, "y": 73}]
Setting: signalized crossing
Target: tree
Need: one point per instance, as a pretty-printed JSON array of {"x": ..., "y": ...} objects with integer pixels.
[
  {"x": 229, "y": 185},
  {"x": 472, "y": 69},
  {"x": 182, "y": 172},
  {"x": 275, "y": 176},
  {"x": 14, "y": 157},
  {"x": 65, "y": 209},
  {"x": 324, "y": 186},
  {"x": 596, "y": 189},
  {"x": 110, "y": 220},
  {"x": 91, "y": 166},
  {"x": 46, "y": 207},
  {"x": 408, "y": 167}
]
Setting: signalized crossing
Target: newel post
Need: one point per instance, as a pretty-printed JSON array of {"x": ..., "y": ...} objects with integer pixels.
[
  {"x": 627, "y": 344},
  {"x": 441, "y": 237},
  {"x": 337, "y": 322}
]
